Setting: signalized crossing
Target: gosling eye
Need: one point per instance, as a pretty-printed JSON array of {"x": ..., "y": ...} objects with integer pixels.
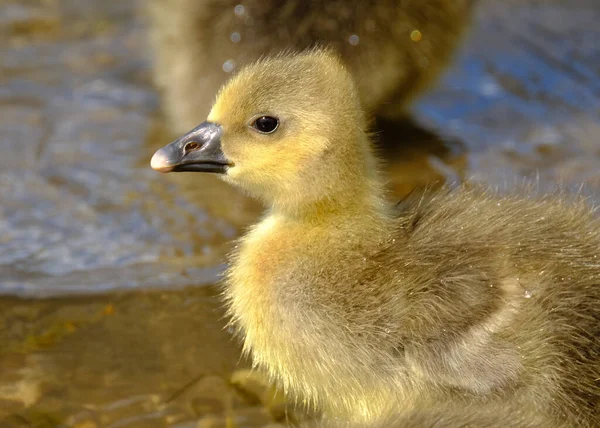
[{"x": 266, "y": 124}]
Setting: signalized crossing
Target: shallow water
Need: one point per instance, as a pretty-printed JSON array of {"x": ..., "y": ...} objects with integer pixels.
[{"x": 129, "y": 332}]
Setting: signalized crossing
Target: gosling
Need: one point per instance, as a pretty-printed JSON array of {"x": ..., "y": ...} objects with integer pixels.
[
  {"x": 395, "y": 49},
  {"x": 361, "y": 308}
]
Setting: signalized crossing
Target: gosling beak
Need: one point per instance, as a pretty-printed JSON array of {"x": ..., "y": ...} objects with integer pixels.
[{"x": 198, "y": 150}]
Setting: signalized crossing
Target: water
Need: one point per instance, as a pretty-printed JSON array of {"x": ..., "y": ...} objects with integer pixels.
[{"x": 129, "y": 331}]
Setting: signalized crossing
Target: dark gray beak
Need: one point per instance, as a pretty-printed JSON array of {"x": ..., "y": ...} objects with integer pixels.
[{"x": 198, "y": 150}]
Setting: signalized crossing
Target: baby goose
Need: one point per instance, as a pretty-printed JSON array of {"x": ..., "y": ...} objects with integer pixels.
[
  {"x": 361, "y": 308},
  {"x": 394, "y": 48}
]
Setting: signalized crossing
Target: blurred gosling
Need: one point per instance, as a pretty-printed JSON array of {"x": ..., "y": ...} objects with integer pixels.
[{"x": 394, "y": 48}]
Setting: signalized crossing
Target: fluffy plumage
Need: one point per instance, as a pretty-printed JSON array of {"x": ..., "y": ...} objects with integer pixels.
[
  {"x": 459, "y": 415},
  {"x": 459, "y": 300},
  {"x": 394, "y": 48}
]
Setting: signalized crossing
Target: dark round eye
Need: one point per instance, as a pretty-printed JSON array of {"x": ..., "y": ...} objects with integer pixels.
[{"x": 266, "y": 124}]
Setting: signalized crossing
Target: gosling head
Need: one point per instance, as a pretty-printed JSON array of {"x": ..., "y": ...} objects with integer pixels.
[{"x": 289, "y": 130}]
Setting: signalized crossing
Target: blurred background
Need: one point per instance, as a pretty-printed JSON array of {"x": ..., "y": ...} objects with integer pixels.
[{"x": 109, "y": 315}]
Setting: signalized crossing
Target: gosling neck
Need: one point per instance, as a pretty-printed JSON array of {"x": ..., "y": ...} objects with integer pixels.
[{"x": 356, "y": 190}]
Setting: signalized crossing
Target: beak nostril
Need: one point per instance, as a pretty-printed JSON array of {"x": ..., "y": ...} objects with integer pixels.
[{"x": 192, "y": 145}]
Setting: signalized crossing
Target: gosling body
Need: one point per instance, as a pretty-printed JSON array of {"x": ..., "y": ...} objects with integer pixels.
[
  {"x": 395, "y": 49},
  {"x": 364, "y": 316},
  {"x": 363, "y": 309}
]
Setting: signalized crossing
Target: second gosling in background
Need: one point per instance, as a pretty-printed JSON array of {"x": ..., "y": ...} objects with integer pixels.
[
  {"x": 461, "y": 300},
  {"x": 394, "y": 48}
]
